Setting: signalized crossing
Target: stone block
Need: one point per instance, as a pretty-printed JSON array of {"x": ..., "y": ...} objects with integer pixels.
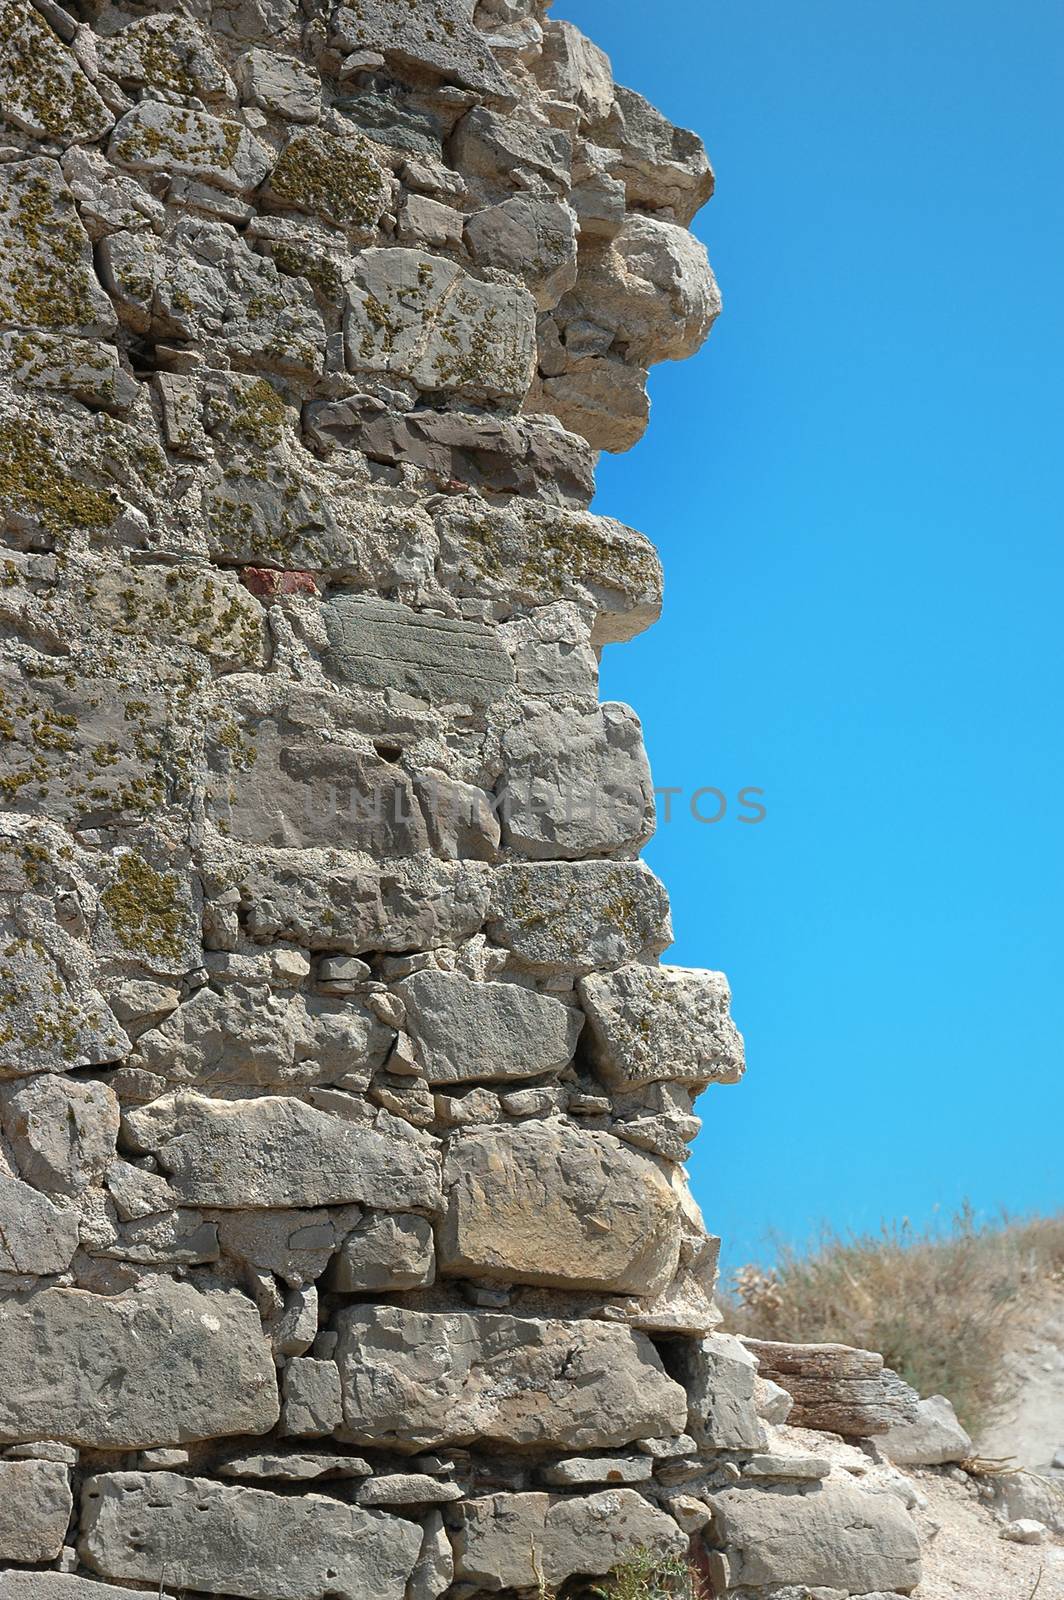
[
  {"x": 467, "y": 1032},
  {"x": 651, "y": 1024},
  {"x": 35, "y": 1507}
]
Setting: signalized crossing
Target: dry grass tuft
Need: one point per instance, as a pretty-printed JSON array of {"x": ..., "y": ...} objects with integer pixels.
[{"x": 937, "y": 1304}]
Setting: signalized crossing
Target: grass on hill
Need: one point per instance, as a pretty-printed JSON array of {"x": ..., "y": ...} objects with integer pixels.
[{"x": 937, "y": 1304}]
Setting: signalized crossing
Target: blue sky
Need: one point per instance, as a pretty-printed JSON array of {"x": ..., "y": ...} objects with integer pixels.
[{"x": 856, "y": 492}]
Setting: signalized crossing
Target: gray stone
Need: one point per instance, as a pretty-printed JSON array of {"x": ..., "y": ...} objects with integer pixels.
[
  {"x": 570, "y": 917},
  {"x": 238, "y": 1541},
  {"x": 532, "y": 237},
  {"x": 662, "y": 167},
  {"x": 572, "y": 67},
  {"x": 546, "y": 1203},
  {"x": 43, "y": 90},
  {"x": 493, "y": 149},
  {"x": 429, "y": 224},
  {"x": 719, "y": 1375},
  {"x": 293, "y": 1468},
  {"x": 378, "y": 644},
  {"x": 279, "y": 1152},
  {"x": 803, "y": 1468},
  {"x": 46, "y": 276},
  {"x": 407, "y": 1489},
  {"x": 253, "y": 1037},
  {"x": 62, "y": 1132},
  {"x": 434, "y": 1572},
  {"x": 35, "y": 1236},
  {"x": 653, "y": 1023},
  {"x": 166, "y": 52},
  {"x": 576, "y": 784},
  {"x": 313, "y": 1404},
  {"x": 92, "y": 373},
  {"x": 287, "y": 87},
  {"x": 383, "y": 1254},
  {"x": 1025, "y": 1531},
  {"x": 164, "y": 1364},
  {"x": 422, "y": 1379},
  {"x": 60, "y": 1586},
  {"x": 836, "y": 1536},
  {"x": 433, "y": 36},
  {"x": 294, "y": 1245},
  {"x": 523, "y": 1540},
  {"x": 1029, "y": 1495},
  {"x": 489, "y": 1032},
  {"x": 154, "y": 137},
  {"x": 579, "y": 1471},
  {"x": 335, "y": 176},
  {"x": 935, "y": 1438},
  {"x": 421, "y": 317},
  {"x": 600, "y": 397},
  {"x": 171, "y": 1239},
  {"x": 35, "y": 1507}
]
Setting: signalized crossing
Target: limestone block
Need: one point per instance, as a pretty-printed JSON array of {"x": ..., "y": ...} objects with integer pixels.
[
  {"x": 547, "y": 1203},
  {"x": 313, "y": 1402},
  {"x": 574, "y": 1472},
  {"x": 430, "y": 224},
  {"x": 281, "y": 84},
  {"x": 198, "y": 606},
  {"x": 719, "y": 1376},
  {"x": 835, "y": 1388},
  {"x": 433, "y": 36},
  {"x": 492, "y": 148},
  {"x": 35, "y": 1507},
  {"x": 421, "y": 1379},
  {"x": 601, "y": 397},
  {"x": 51, "y": 1019},
  {"x": 650, "y": 1024},
  {"x": 246, "y": 1036},
  {"x": 379, "y": 644},
  {"x": 46, "y": 273},
  {"x": 240, "y": 1541},
  {"x": 421, "y": 317},
  {"x": 553, "y": 656},
  {"x": 576, "y": 784},
  {"x": 62, "y": 1132},
  {"x": 59, "y": 364},
  {"x": 573, "y": 916},
  {"x": 572, "y": 67},
  {"x": 294, "y": 1467},
  {"x": 834, "y": 1536},
  {"x": 485, "y": 1032},
  {"x": 162, "y": 1364},
  {"x": 294, "y": 1245},
  {"x": 166, "y": 52},
  {"x": 60, "y": 1586},
  {"x": 167, "y": 1239},
  {"x": 532, "y": 237},
  {"x": 506, "y": 1540},
  {"x": 274, "y": 1151},
  {"x": 663, "y": 168},
  {"x": 384, "y": 1254},
  {"x": 534, "y": 555},
  {"x": 407, "y": 1489},
  {"x": 35, "y": 1236},
  {"x": 155, "y": 137},
  {"x": 434, "y": 1572},
  {"x": 651, "y": 286},
  {"x": 935, "y": 1437},
  {"x": 43, "y": 90},
  {"x": 334, "y": 176}
]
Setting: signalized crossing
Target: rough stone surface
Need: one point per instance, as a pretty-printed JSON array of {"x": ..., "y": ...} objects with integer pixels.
[
  {"x": 35, "y": 1507},
  {"x": 507, "y": 1540},
  {"x": 485, "y": 1032},
  {"x": 649, "y": 1023},
  {"x": 934, "y": 1438}
]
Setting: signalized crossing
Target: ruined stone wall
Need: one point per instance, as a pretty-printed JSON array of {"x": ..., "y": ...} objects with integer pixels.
[{"x": 346, "y": 1251}]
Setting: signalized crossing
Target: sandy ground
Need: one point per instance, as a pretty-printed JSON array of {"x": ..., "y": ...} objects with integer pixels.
[
  {"x": 1031, "y": 1431},
  {"x": 967, "y": 1559}
]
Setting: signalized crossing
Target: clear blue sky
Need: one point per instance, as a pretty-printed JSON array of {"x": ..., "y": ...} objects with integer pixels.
[{"x": 856, "y": 491}]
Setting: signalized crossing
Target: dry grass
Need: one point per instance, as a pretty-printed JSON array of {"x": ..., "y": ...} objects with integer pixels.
[{"x": 936, "y": 1303}]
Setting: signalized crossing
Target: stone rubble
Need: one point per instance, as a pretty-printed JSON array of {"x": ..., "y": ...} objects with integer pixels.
[{"x": 346, "y": 1248}]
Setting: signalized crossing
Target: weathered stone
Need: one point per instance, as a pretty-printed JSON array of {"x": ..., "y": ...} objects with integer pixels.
[
  {"x": 601, "y": 397},
  {"x": 663, "y": 168},
  {"x": 407, "y": 1489},
  {"x": 576, "y": 785},
  {"x": 240, "y": 1541},
  {"x": 50, "y": 1019},
  {"x": 421, "y": 317},
  {"x": 43, "y": 90},
  {"x": 197, "y": 606},
  {"x": 835, "y": 1536},
  {"x": 331, "y": 175},
  {"x": 420, "y": 1379},
  {"x": 835, "y": 1388},
  {"x": 279, "y": 1152},
  {"x": 546, "y": 1203},
  {"x": 935, "y": 1437},
  {"x": 166, "y": 52},
  {"x": 719, "y": 1376},
  {"x": 169, "y": 1239},
  {"x": 252, "y": 1036},
  {"x": 294, "y": 1245},
  {"x": 573, "y": 68},
  {"x": 293, "y": 1468},
  {"x": 488, "y": 1032},
  {"x": 521, "y": 1540},
  {"x": 35, "y": 1507},
  {"x": 434, "y": 1572},
  {"x": 579, "y": 1471},
  {"x": 434, "y": 36},
  {"x": 46, "y": 273},
  {"x": 378, "y": 644},
  {"x": 154, "y": 137},
  {"x": 313, "y": 1401},
  {"x": 287, "y": 87},
  {"x": 161, "y": 1365},
  {"x": 35, "y": 1236},
  {"x": 648, "y": 1024},
  {"x": 574, "y": 916},
  {"x": 60, "y": 1586},
  {"x": 383, "y": 1254},
  {"x": 429, "y": 224},
  {"x": 62, "y": 1132},
  {"x": 533, "y": 238},
  {"x": 57, "y": 363},
  {"x": 495, "y": 149}
]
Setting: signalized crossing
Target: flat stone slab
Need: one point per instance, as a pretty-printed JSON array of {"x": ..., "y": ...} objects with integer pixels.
[
  {"x": 35, "y": 1507},
  {"x": 380, "y": 644},
  {"x": 469, "y": 1032},
  {"x": 647, "y": 1024},
  {"x": 422, "y": 1379},
  {"x": 226, "y": 1539},
  {"x": 160, "y": 1365}
]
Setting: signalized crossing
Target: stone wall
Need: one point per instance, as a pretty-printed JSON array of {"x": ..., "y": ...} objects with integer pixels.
[{"x": 346, "y": 1251}]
